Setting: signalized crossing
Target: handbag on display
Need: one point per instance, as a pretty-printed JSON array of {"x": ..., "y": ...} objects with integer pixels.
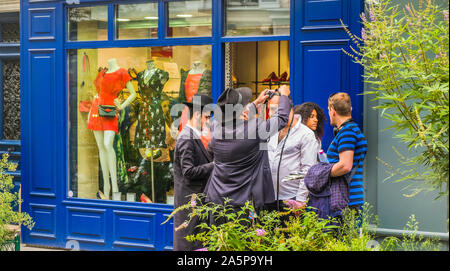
[{"x": 107, "y": 111}]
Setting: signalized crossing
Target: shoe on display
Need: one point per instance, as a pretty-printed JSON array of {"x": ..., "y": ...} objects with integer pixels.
[
  {"x": 145, "y": 199},
  {"x": 100, "y": 195},
  {"x": 272, "y": 77},
  {"x": 283, "y": 76}
]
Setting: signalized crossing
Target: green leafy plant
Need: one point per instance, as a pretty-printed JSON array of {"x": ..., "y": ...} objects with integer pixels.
[
  {"x": 405, "y": 55},
  {"x": 245, "y": 230},
  {"x": 410, "y": 240},
  {"x": 8, "y": 201},
  {"x": 354, "y": 233}
]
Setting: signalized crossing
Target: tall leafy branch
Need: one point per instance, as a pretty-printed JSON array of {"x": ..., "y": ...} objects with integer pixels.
[{"x": 405, "y": 54}]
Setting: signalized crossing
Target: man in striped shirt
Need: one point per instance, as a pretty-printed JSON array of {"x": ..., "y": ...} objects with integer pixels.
[{"x": 348, "y": 148}]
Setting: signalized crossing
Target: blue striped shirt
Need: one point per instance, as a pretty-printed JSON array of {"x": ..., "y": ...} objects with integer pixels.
[{"x": 351, "y": 138}]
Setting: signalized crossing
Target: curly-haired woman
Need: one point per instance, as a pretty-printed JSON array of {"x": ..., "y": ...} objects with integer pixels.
[{"x": 297, "y": 145}]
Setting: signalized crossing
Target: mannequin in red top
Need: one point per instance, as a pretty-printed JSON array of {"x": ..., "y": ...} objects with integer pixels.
[
  {"x": 191, "y": 87},
  {"x": 109, "y": 84}
]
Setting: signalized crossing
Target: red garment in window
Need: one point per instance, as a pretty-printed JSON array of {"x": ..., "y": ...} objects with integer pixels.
[
  {"x": 191, "y": 85},
  {"x": 190, "y": 89},
  {"x": 108, "y": 85}
]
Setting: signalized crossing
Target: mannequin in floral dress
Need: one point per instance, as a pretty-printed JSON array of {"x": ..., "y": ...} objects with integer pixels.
[{"x": 150, "y": 128}]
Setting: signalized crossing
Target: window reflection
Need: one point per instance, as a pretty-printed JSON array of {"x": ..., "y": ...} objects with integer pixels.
[
  {"x": 88, "y": 23},
  {"x": 257, "y": 17},
  {"x": 190, "y": 18},
  {"x": 137, "y": 21}
]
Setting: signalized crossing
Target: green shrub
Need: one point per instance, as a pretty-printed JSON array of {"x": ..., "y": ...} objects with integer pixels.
[
  {"x": 405, "y": 55},
  {"x": 244, "y": 230},
  {"x": 8, "y": 201}
]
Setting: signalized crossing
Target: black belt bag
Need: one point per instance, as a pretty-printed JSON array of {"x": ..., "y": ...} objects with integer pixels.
[{"x": 107, "y": 111}]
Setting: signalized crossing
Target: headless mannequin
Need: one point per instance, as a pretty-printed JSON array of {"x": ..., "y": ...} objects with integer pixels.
[
  {"x": 105, "y": 141},
  {"x": 197, "y": 68},
  {"x": 150, "y": 69},
  {"x": 148, "y": 153}
]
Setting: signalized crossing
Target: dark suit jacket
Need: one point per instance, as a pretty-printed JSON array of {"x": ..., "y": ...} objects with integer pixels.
[
  {"x": 191, "y": 169},
  {"x": 241, "y": 170}
]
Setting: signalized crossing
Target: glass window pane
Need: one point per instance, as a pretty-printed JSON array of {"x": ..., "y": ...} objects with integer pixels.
[
  {"x": 88, "y": 23},
  {"x": 257, "y": 65},
  {"x": 129, "y": 155},
  {"x": 257, "y": 17},
  {"x": 137, "y": 21},
  {"x": 11, "y": 99},
  {"x": 190, "y": 18}
]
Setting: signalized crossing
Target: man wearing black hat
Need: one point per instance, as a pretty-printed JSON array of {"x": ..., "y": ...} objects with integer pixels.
[
  {"x": 192, "y": 167},
  {"x": 241, "y": 170}
]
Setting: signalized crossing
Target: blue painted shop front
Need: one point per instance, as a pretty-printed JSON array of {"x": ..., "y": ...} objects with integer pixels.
[{"x": 62, "y": 50}]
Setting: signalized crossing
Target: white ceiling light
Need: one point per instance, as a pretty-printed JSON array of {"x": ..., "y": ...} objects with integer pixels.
[
  {"x": 184, "y": 15},
  {"x": 151, "y": 18},
  {"x": 123, "y": 20}
]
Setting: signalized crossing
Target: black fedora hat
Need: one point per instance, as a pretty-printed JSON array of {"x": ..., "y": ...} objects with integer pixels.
[
  {"x": 199, "y": 100},
  {"x": 235, "y": 96}
]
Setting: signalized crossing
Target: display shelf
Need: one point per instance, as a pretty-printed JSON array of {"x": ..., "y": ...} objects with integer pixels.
[
  {"x": 271, "y": 83},
  {"x": 268, "y": 83}
]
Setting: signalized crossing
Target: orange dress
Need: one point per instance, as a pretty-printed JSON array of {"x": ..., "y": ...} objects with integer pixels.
[
  {"x": 191, "y": 88},
  {"x": 108, "y": 85}
]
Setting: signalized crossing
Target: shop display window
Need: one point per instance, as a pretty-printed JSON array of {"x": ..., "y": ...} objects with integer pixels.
[
  {"x": 88, "y": 23},
  {"x": 122, "y": 122},
  {"x": 189, "y": 18},
  {"x": 137, "y": 21},
  {"x": 122, "y": 126},
  {"x": 257, "y": 65},
  {"x": 257, "y": 17}
]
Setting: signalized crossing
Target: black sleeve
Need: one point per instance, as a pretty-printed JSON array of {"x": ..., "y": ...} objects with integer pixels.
[{"x": 187, "y": 160}]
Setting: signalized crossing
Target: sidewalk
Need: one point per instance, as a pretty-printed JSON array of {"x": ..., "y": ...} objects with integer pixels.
[{"x": 25, "y": 247}]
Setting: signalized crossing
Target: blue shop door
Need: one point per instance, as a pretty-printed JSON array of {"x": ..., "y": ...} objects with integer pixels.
[{"x": 320, "y": 66}]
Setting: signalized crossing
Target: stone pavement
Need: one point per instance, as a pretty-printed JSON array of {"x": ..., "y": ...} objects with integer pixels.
[{"x": 24, "y": 247}]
